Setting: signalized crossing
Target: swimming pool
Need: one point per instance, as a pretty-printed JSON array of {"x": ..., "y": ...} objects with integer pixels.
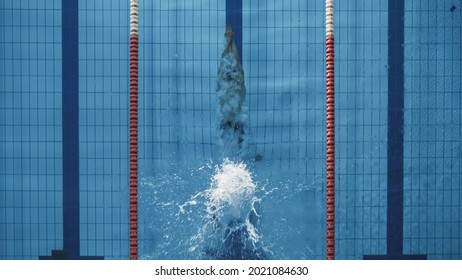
[{"x": 64, "y": 122}]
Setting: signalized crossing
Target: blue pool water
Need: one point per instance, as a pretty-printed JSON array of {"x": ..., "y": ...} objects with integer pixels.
[
  {"x": 64, "y": 83},
  {"x": 279, "y": 211}
]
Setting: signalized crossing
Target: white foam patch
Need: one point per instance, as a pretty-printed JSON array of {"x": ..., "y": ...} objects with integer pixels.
[{"x": 231, "y": 191}]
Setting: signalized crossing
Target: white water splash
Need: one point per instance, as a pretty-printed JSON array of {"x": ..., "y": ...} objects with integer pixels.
[
  {"x": 231, "y": 207},
  {"x": 231, "y": 191},
  {"x": 226, "y": 210}
]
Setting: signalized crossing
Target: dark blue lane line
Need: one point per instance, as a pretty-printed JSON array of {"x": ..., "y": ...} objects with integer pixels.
[
  {"x": 395, "y": 127},
  {"x": 395, "y": 134},
  {"x": 70, "y": 127},
  {"x": 70, "y": 99},
  {"x": 234, "y": 18}
]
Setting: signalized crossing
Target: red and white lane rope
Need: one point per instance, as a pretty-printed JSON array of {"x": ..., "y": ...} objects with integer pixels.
[
  {"x": 330, "y": 131},
  {"x": 133, "y": 129}
]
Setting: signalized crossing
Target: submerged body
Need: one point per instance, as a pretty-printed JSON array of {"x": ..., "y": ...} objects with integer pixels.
[
  {"x": 231, "y": 97},
  {"x": 236, "y": 242}
]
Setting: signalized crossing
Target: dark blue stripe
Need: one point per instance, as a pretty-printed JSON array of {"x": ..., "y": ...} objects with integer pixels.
[
  {"x": 395, "y": 136},
  {"x": 234, "y": 18},
  {"x": 395, "y": 127},
  {"x": 70, "y": 111},
  {"x": 70, "y": 115}
]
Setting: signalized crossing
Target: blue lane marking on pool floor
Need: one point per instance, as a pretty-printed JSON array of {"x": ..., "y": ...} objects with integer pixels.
[
  {"x": 395, "y": 135},
  {"x": 71, "y": 216},
  {"x": 234, "y": 18},
  {"x": 70, "y": 115},
  {"x": 395, "y": 128}
]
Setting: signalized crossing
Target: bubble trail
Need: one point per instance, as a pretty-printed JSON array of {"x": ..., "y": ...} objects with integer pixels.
[{"x": 231, "y": 100}]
